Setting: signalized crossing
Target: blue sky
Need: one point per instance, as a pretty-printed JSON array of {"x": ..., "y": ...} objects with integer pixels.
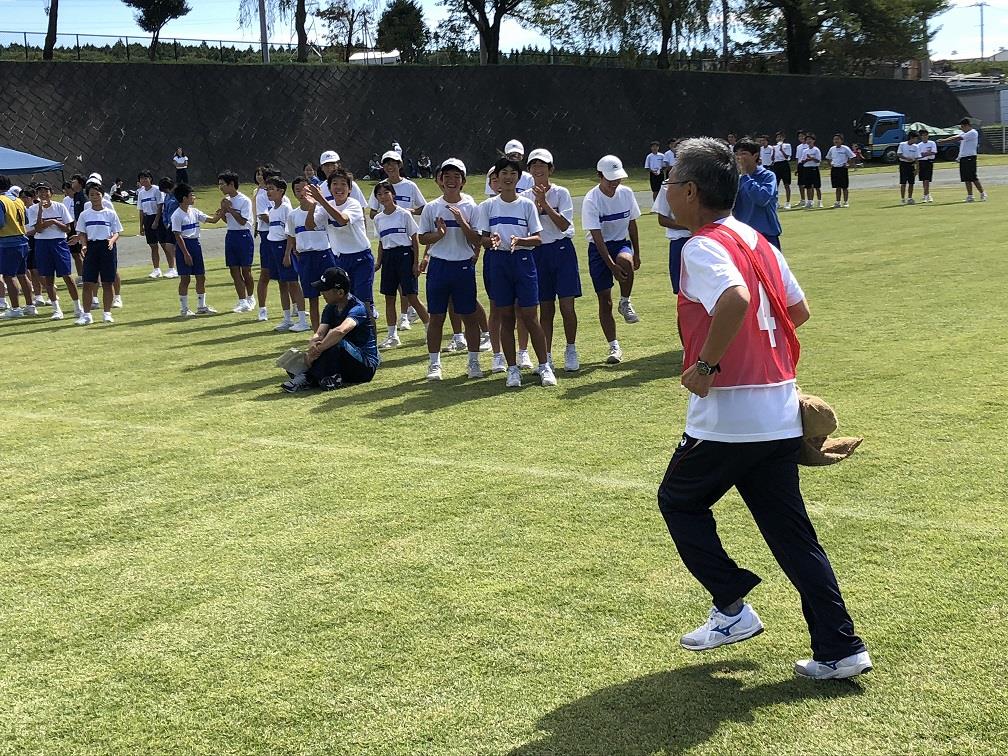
[{"x": 958, "y": 36}]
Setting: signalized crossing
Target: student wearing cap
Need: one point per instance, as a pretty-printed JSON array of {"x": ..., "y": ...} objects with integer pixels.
[
  {"x": 927, "y": 151},
  {"x": 276, "y": 259},
  {"x": 654, "y": 161},
  {"x": 50, "y": 221},
  {"x": 186, "y": 222},
  {"x": 329, "y": 161},
  {"x": 781, "y": 166},
  {"x": 906, "y": 153},
  {"x": 756, "y": 200},
  {"x": 516, "y": 151},
  {"x": 609, "y": 214},
  {"x": 96, "y": 180},
  {"x": 839, "y": 156},
  {"x": 676, "y": 234},
  {"x": 446, "y": 225},
  {"x": 969, "y": 141},
  {"x": 239, "y": 246},
  {"x": 14, "y": 252},
  {"x": 343, "y": 348},
  {"x": 555, "y": 259},
  {"x": 98, "y": 227},
  {"x": 308, "y": 246},
  {"x": 149, "y": 202}
]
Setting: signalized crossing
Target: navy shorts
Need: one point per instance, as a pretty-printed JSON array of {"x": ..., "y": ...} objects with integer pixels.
[
  {"x": 165, "y": 234},
  {"x": 30, "y": 260},
  {"x": 310, "y": 267},
  {"x": 14, "y": 260},
  {"x": 360, "y": 267},
  {"x": 239, "y": 249},
  {"x": 782, "y": 170},
  {"x": 271, "y": 254},
  {"x": 601, "y": 276},
  {"x": 198, "y": 267},
  {"x": 907, "y": 173},
  {"x": 397, "y": 272},
  {"x": 52, "y": 257},
  {"x": 675, "y": 261},
  {"x": 511, "y": 277},
  {"x": 99, "y": 262},
  {"x": 454, "y": 280},
  {"x": 264, "y": 252},
  {"x": 925, "y": 170},
  {"x": 150, "y": 229},
  {"x": 557, "y": 267}
]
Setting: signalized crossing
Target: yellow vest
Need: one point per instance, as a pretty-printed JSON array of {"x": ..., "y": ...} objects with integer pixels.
[{"x": 16, "y": 217}]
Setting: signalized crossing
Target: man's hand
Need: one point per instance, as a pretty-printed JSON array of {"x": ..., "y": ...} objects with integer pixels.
[
  {"x": 695, "y": 383},
  {"x": 618, "y": 271}
]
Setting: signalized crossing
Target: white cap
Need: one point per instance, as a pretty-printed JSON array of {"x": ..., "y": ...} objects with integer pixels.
[
  {"x": 611, "y": 168},
  {"x": 14, "y": 192},
  {"x": 391, "y": 155},
  {"x": 95, "y": 177},
  {"x": 514, "y": 146},
  {"x": 540, "y": 154},
  {"x": 329, "y": 156},
  {"x": 453, "y": 163}
]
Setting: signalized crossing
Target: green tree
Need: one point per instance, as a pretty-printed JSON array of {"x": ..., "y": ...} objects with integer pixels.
[
  {"x": 248, "y": 16},
  {"x": 485, "y": 16},
  {"x": 402, "y": 27},
  {"x": 152, "y": 15},
  {"x": 345, "y": 19}
]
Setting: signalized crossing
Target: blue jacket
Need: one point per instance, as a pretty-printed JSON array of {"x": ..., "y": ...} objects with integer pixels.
[{"x": 756, "y": 201}]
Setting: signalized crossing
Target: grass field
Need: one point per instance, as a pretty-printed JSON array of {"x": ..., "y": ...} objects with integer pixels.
[{"x": 197, "y": 563}]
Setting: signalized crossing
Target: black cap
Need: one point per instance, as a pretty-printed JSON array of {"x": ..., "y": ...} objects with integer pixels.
[
  {"x": 333, "y": 278},
  {"x": 43, "y": 185}
]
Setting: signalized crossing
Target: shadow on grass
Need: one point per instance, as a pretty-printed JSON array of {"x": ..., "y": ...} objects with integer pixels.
[
  {"x": 241, "y": 359},
  {"x": 258, "y": 383},
  {"x": 667, "y": 712}
]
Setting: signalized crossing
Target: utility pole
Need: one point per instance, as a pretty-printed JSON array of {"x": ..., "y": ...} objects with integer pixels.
[
  {"x": 981, "y": 5},
  {"x": 262, "y": 31}
]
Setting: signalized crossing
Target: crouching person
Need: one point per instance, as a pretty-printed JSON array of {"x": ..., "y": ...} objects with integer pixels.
[{"x": 344, "y": 349}]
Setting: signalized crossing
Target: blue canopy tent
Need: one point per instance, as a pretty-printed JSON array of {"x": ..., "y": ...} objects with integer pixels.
[{"x": 13, "y": 162}]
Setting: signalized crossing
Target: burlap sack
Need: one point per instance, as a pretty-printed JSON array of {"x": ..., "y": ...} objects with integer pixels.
[{"x": 818, "y": 421}]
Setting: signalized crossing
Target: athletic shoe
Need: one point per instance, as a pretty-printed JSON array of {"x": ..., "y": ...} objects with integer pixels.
[
  {"x": 547, "y": 376},
  {"x": 30, "y": 310},
  {"x": 117, "y": 301},
  {"x": 283, "y": 326},
  {"x": 474, "y": 370},
  {"x": 571, "y": 362},
  {"x": 983, "y": 196},
  {"x": 837, "y": 204},
  {"x": 434, "y": 372},
  {"x": 156, "y": 273},
  {"x": 263, "y": 316},
  {"x": 331, "y": 382},
  {"x": 846, "y": 204},
  {"x": 300, "y": 327},
  {"x": 615, "y": 356},
  {"x": 627, "y": 311},
  {"x": 720, "y": 630},
  {"x": 524, "y": 361},
  {"x": 79, "y": 281},
  {"x": 298, "y": 383},
  {"x": 13, "y": 312},
  {"x": 819, "y": 204},
  {"x": 390, "y": 343},
  {"x": 242, "y": 306},
  {"x": 57, "y": 315},
  {"x": 187, "y": 313},
  {"x": 910, "y": 201},
  {"x": 107, "y": 317},
  {"x": 849, "y": 666},
  {"x": 787, "y": 206},
  {"x": 455, "y": 346},
  {"x": 404, "y": 323},
  {"x": 411, "y": 313},
  {"x": 85, "y": 319},
  {"x": 206, "y": 310},
  {"x": 172, "y": 273},
  {"x": 3, "y": 304},
  {"x": 513, "y": 377},
  {"x": 498, "y": 365},
  {"x": 485, "y": 345},
  {"x": 40, "y": 302},
  {"x": 969, "y": 198}
]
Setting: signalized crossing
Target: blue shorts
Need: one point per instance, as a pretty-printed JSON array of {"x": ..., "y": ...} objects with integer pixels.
[
  {"x": 271, "y": 254},
  {"x": 601, "y": 276},
  {"x": 557, "y": 266},
  {"x": 100, "y": 262},
  {"x": 397, "y": 272},
  {"x": 52, "y": 257},
  {"x": 511, "y": 277},
  {"x": 675, "y": 261},
  {"x": 360, "y": 267},
  {"x": 30, "y": 262},
  {"x": 198, "y": 267},
  {"x": 310, "y": 267},
  {"x": 454, "y": 280},
  {"x": 165, "y": 234},
  {"x": 14, "y": 260},
  {"x": 239, "y": 249},
  {"x": 264, "y": 259}
]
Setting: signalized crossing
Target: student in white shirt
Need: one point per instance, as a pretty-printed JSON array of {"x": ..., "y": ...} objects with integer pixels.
[
  {"x": 766, "y": 152},
  {"x": 329, "y": 161},
  {"x": 839, "y": 156},
  {"x": 781, "y": 166},
  {"x": 185, "y": 223},
  {"x": 609, "y": 214},
  {"x": 927, "y": 152},
  {"x": 800, "y": 148},
  {"x": 516, "y": 151},
  {"x": 181, "y": 162},
  {"x": 149, "y": 202},
  {"x": 239, "y": 246},
  {"x": 98, "y": 228},
  {"x": 907, "y": 155},
  {"x": 810, "y": 160},
  {"x": 164, "y": 232},
  {"x": 676, "y": 234},
  {"x": 309, "y": 245},
  {"x": 654, "y": 161},
  {"x": 49, "y": 222},
  {"x": 262, "y": 204},
  {"x": 669, "y": 157},
  {"x": 276, "y": 259},
  {"x": 95, "y": 178},
  {"x": 969, "y": 141}
]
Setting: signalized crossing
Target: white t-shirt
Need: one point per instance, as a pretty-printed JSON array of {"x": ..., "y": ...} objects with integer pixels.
[
  {"x": 454, "y": 245},
  {"x": 927, "y": 150},
  {"x": 262, "y": 205},
  {"x": 277, "y": 227},
  {"x": 766, "y": 156},
  {"x": 55, "y": 211},
  {"x": 781, "y": 152},
  {"x": 560, "y": 200},
  {"x": 800, "y": 153},
  {"x": 838, "y": 157},
  {"x": 69, "y": 202},
  {"x": 181, "y": 161},
  {"x": 305, "y": 240},
  {"x": 907, "y": 151},
  {"x": 98, "y": 224},
  {"x": 610, "y": 215},
  {"x": 395, "y": 229},
  {"x": 351, "y": 238},
  {"x": 661, "y": 206},
  {"x": 815, "y": 154},
  {"x": 149, "y": 199},
  {"x": 188, "y": 223},
  {"x": 243, "y": 205},
  {"x": 507, "y": 219},
  {"x": 968, "y": 145},
  {"x": 654, "y": 161},
  {"x": 737, "y": 415},
  {"x": 407, "y": 194},
  {"x": 524, "y": 182},
  {"x": 669, "y": 159}
]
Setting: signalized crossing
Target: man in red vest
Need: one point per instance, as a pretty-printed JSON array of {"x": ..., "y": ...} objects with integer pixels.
[{"x": 739, "y": 306}]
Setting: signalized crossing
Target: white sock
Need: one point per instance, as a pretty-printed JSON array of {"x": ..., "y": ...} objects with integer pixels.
[
  {"x": 484, "y": 335},
  {"x": 201, "y": 298},
  {"x": 435, "y": 358},
  {"x": 108, "y": 313},
  {"x": 184, "y": 301},
  {"x": 474, "y": 357},
  {"x": 549, "y": 357},
  {"x": 457, "y": 337},
  {"x": 498, "y": 355},
  {"x": 262, "y": 310},
  {"x": 287, "y": 316},
  {"x": 76, "y": 304},
  {"x": 393, "y": 332},
  {"x": 304, "y": 317},
  {"x": 3, "y": 301},
  {"x": 614, "y": 344}
]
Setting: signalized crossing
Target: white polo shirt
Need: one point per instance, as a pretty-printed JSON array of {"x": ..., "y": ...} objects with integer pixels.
[
  {"x": 610, "y": 215},
  {"x": 908, "y": 152},
  {"x": 454, "y": 245},
  {"x": 507, "y": 219},
  {"x": 277, "y": 228},
  {"x": 305, "y": 240},
  {"x": 407, "y": 194},
  {"x": 97, "y": 225},
  {"x": 838, "y": 157},
  {"x": 352, "y": 237},
  {"x": 661, "y": 206},
  {"x": 970, "y": 142},
  {"x": 654, "y": 162},
  {"x": 560, "y": 200},
  {"x": 55, "y": 211},
  {"x": 781, "y": 152},
  {"x": 927, "y": 150},
  {"x": 262, "y": 205},
  {"x": 149, "y": 199},
  {"x": 187, "y": 223},
  {"x": 243, "y": 205},
  {"x": 395, "y": 229}
]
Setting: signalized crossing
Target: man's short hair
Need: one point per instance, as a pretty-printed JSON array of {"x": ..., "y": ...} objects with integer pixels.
[
  {"x": 5, "y": 183},
  {"x": 182, "y": 191},
  {"x": 710, "y": 164},
  {"x": 276, "y": 182},
  {"x": 964, "y": 122},
  {"x": 747, "y": 144},
  {"x": 505, "y": 162},
  {"x": 340, "y": 173},
  {"x": 165, "y": 184},
  {"x": 298, "y": 180},
  {"x": 145, "y": 174},
  {"x": 911, "y": 135},
  {"x": 228, "y": 177}
]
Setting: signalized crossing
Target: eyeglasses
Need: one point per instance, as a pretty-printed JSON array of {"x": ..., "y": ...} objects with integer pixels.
[{"x": 670, "y": 183}]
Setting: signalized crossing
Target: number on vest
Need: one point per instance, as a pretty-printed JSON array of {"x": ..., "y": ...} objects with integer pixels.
[{"x": 765, "y": 318}]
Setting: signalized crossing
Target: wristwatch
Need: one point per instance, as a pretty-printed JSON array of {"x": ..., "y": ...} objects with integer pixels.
[{"x": 706, "y": 369}]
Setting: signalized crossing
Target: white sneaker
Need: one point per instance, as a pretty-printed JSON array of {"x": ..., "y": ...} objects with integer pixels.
[
  {"x": 498, "y": 364},
  {"x": 615, "y": 356},
  {"x": 787, "y": 205},
  {"x": 983, "y": 196},
  {"x": 485, "y": 345},
  {"x": 910, "y": 201},
  {"x": 297, "y": 383},
  {"x": 40, "y": 302},
  {"x": 571, "y": 362},
  {"x": 404, "y": 323},
  {"x": 57, "y": 315},
  {"x": 411, "y": 313},
  {"x": 107, "y": 317},
  {"x": 627, "y": 311},
  {"x": 969, "y": 198},
  {"x": 837, "y": 204},
  {"x": 513, "y": 377},
  {"x": 720, "y": 630},
  {"x": 846, "y": 204},
  {"x": 242, "y": 306},
  {"x": 156, "y": 273},
  {"x": 117, "y": 301},
  {"x": 547, "y": 376},
  {"x": 13, "y": 312},
  {"x": 283, "y": 326},
  {"x": 172, "y": 273},
  {"x": 206, "y": 310},
  {"x": 300, "y": 327},
  {"x": 390, "y": 343},
  {"x": 85, "y": 319},
  {"x": 30, "y": 310},
  {"x": 819, "y": 204},
  {"x": 263, "y": 315},
  {"x": 434, "y": 372},
  {"x": 849, "y": 666},
  {"x": 455, "y": 346},
  {"x": 187, "y": 313},
  {"x": 474, "y": 369},
  {"x": 524, "y": 361}
]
